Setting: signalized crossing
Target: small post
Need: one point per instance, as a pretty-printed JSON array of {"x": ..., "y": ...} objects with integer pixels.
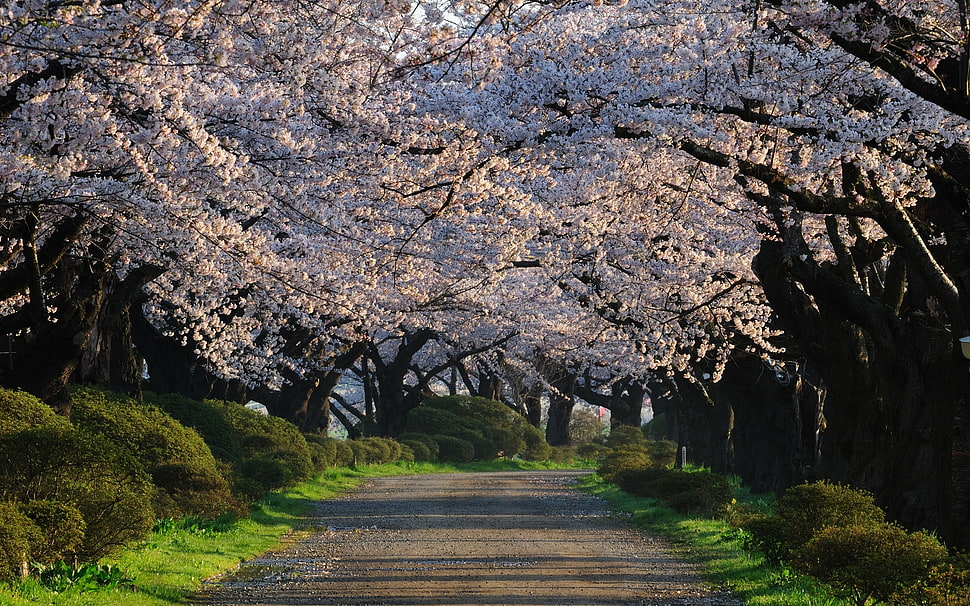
[{"x": 683, "y": 457}]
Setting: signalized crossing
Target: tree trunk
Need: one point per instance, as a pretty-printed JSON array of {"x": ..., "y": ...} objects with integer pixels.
[
  {"x": 895, "y": 391},
  {"x": 561, "y": 403},
  {"x": 50, "y": 354},
  {"x": 393, "y": 399},
  {"x": 706, "y": 425},
  {"x": 110, "y": 359},
  {"x": 772, "y": 448}
]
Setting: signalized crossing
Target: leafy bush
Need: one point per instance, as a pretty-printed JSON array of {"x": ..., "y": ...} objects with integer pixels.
[
  {"x": 874, "y": 560},
  {"x": 19, "y": 411},
  {"x": 493, "y": 428},
  {"x": 323, "y": 451},
  {"x": 624, "y": 435},
  {"x": 699, "y": 492},
  {"x": 426, "y": 439},
  {"x": 419, "y": 450},
  {"x": 947, "y": 584},
  {"x": 345, "y": 455},
  {"x": 19, "y": 538},
  {"x": 274, "y": 452},
  {"x": 804, "y": 510},
  {"x": 490, "y": 413},
  {"x": 562, "y": 454},
  {"x": 375, "y": 450},
  {"x": 207, "y": 419},
  {"x": 591, "y": 451},
  {"x": 624, "y": 458},
  {"x": 454, "y": 449},
  {"x": 62, "y": 527},
  {"x": 106, "y": 484},
  {"x": 507, "y": 442},
  {"x": 485, "y": 449},
  {"x": 176, "y": 457},
  {"x": 663, "y": 453},
  {"x": 536, "y": 447}
]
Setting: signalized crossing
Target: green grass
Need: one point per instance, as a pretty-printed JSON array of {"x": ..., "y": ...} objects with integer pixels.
[{"x": 718, "y": 547}]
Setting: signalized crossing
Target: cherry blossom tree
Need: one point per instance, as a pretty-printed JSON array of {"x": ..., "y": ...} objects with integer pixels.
[{"x": 838, "y": 131}]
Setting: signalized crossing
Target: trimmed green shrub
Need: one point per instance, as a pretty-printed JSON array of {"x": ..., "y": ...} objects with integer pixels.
[
  {"x": 454, "y": 449},
  {"x": 494, "y": 428},
  {"x": 407, "y": 455},
  {"x": 490, "y": 412},
  {"x": 62, "y": 527},
  {"x": 323, "y": 451},
  {"x": 274, "y": 451},
  {"x": 375, "y": 450},
  {"x": 874, "y": 560},
  {"x": 562, "y": 454},
  {"x": 804, "y": 510},
  {"x": 426, "y": 439},
  {"x": 191, "y": 489},
  {"x": 175, "y": 456},
  {"x": 434, "y": 421},
  {"x": 485, "y": 449},
  {"x": 269, "y": 473},
  {"x": 624, "y": 435},
  {"x": 419, "y": 450},
  {"x": 591, "y": 451},
  {"x": 19, "y": 538},
  {"x": 345, "y": 455},
  {"x": 536, "y": 447},
  {"x": 207, "y": 419},
  {"x": 699, "y": 492},
  {"x": 508, "y": 443},
  {"x": 106, "y": 484},
  {"x": 624, "y": 458},
  {"x": 20, "y": 410},
  {"x": 663, "y": 453}
]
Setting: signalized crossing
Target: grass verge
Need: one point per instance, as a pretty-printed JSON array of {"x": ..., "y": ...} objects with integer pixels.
[
  {"x": 171, "y": 564},
  {"x": 719, "y": 548}
]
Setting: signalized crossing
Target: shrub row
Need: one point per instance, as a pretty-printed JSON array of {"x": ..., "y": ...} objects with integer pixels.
[
  {"x": 644, "y": 468},
  {"x": 839, "y": 536},
  {"x": 833, "y": 533},
  {"x": 75, "y": 489},
  {"x": 466, "y": 428}
]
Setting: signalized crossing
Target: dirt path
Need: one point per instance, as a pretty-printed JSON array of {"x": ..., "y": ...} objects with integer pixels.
[{"x": 519, "y": 538}]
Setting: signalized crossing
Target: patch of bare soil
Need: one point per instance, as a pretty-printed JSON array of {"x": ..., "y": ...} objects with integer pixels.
[{"x": 470, "y": 539}]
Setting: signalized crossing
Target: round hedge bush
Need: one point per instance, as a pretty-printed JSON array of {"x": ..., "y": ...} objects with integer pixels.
[
  {"x": 264, "y": 439},
  {"x": 624, "y": 458},
  {"x": 536, "y": 447},
  {"x": 804, "y": 510},
  {"x": 175, "y": 456},
  {"x": 419, "y": 450},
  {"x": 20, "y": 410},
  {"x": 863, "y": 561},
  {"x": 103, "y": 481},
  {"x": 426, "y": 439},
  {"x": 62, "y": 527},
  {"x": 19, "y": 538},
  {"x": 454, "y": 450},
  {"x": 323, "y": 451},
  {"x": 204, "y": 417}
]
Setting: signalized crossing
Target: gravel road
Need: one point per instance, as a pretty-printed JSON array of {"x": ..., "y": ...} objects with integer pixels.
[{"x": 470, "y": 539}]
